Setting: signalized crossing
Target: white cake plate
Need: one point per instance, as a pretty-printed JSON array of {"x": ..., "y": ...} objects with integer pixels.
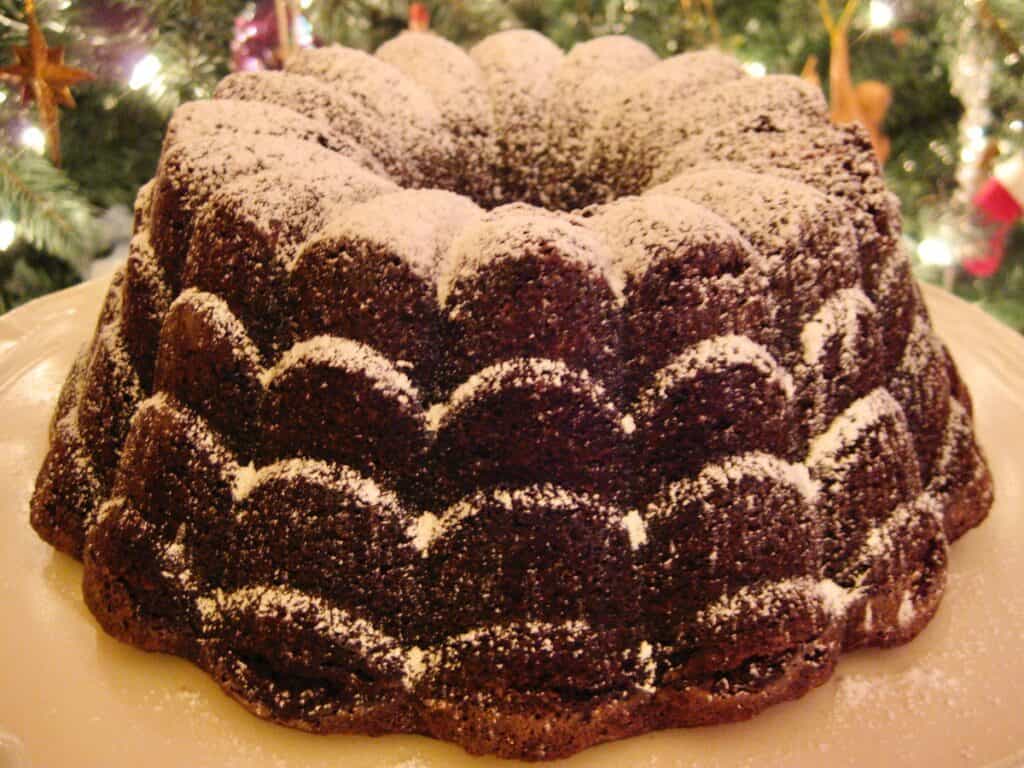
[{"x": 72, "y": 697}]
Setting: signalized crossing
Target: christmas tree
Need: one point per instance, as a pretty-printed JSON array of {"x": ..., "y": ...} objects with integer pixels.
[{"x": 941, "y": 78}]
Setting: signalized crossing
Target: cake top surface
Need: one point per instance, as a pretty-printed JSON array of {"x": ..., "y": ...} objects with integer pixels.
[
  {"x": 417, "y": 226},
  {"x": 643, "y": 230},
  {"x": 443, "y": 70}
]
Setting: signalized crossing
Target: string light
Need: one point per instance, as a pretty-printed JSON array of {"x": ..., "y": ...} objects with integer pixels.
[
  {"x": 755, "y": 68},
  {"x": 1016, "y": 126},
  {"x": 3, "y": 96},
  {"x": 146, "y": 73},
  {"x": 935, "y": 252},
  {"x": 302, "y": 31},
  {"x": 7, "y": 233},
  {"x": 34, "y": 139},
  {"x": 880, "y": 14}
]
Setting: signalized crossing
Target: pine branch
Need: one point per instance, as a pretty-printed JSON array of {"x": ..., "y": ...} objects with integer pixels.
[
  {"x": 50, "y": 211},
  {"x": 191, "y": 38}
]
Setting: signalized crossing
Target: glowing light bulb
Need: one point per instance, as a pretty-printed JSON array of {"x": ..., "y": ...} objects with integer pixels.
[
  {"x": 34, "y": 139},
  {"x": 1016, "y": 126},
  {"x": 303, "y": 32},
  {"x": 880, "y": 14},
  {"x": 3, "y": 96},
  {"x": 145, "y": 72},
  {"x": 755, "y": 68},
  {"x": 935, "y": 252},
  {"x": 8, "y": 231}
]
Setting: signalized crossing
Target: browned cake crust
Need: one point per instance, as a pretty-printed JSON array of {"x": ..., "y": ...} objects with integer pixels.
[{"x": 641, "y": 425}]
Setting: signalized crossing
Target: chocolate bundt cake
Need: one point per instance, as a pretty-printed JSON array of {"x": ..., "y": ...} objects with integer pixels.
[{"x": 523, "y": 399}]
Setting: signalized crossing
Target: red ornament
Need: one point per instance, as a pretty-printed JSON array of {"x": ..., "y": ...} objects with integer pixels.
[
  {"x": 999, "y": 204},
  {"x": 419, "y": 17}
]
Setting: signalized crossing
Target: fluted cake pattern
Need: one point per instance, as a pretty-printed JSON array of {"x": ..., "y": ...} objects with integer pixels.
[{"x": 521, "y": 399}]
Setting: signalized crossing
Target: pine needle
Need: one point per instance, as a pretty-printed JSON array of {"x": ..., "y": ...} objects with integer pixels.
[{"x": 50, "y": 211}]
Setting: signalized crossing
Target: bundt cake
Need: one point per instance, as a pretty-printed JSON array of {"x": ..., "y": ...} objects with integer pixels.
[{"x": 523, "y": 399}]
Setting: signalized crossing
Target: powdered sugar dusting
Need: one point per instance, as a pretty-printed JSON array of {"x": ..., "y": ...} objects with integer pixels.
[
  {"x": 347, "y": 355},
  {"x": 732, "y": 470},
  {"x": 838, "y": 161},
  {"x": 525, "y": 372},
  {"x": 417, "y": 663},
  {"x": 838, "y": 317},
  {"x": 401, "y": 119},
  {"x": 635, "y": 125},
  {"x": 220, "y": 317},
  {"x": 332, "y": 476},
  {"x": 957, "y": 441},
  {"x": 776, "y": 215},
  {"x": 514, "y": 633},
  {"x": 907, "y": 611},
  {"x": 640, "y": 231},
  {"x": 143, "y": 206},
  {"x": 713, "y": 355},
  {"x": 195, "y": 432},
  {"x": 429, "y": 529},
  {"x": 202, "y": 119},
  {"x": 762, "y": 599},
  {"x": 423, "y": 531},
  {"x": 649, "y": 667},
  {"x": 884, "y": 538},
  {"x": 459, "y": 90},
  {"x": 514, "y": 230},
  {"x": 143, "y": 264},
  {"x": 591, "y": 73},
  {"x": 287, "y": 205},
  {"x": 826, "y": 449},
  {"x": 922, "y": 349},
  {"x": 203, "y": 166},
  {"x": 518, "y": 66},
  {"x": 775, "y": 103},
  {"x": 834, "y": 598},
  {"x": 246, "y": 478},
  {"x": 87, "y": 484},
  {"x": 330, "y": 622},
  {"x": 447, "y": 73},
  {"x": 636, "y": 528},
  {"x": 415, "y": 225}
]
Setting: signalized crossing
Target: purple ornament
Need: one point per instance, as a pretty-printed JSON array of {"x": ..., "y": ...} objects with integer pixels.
[{"x": 256, "y": 43}]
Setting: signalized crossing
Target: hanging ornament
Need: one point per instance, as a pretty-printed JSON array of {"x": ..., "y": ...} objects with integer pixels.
[
  {"x": 267, "y": 33},
  {"x": 874, "y": 99},
  {"x": 868, "y": 101},
  {"x": 43, "y": 76},
  {"x": 975, "y": 232},
  {"x": 419, "y": 17},
  {"x": 998, "y": 206}
]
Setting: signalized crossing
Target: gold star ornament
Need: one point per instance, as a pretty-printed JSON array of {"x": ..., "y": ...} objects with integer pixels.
[{"x": 43, "y": 76}]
